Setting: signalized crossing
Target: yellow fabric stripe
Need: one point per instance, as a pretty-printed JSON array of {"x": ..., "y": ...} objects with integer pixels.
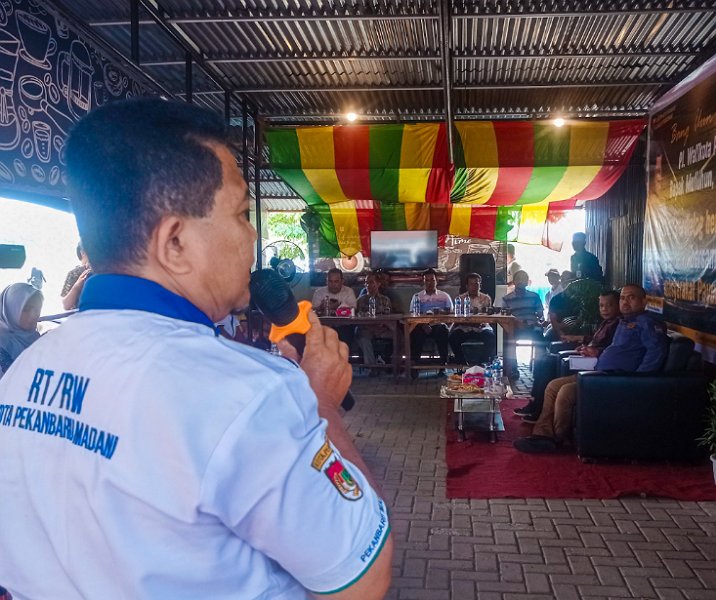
[
  {"x": 479, "y": 146},
  {"x": 416, "y": 161},
  {"x": 532, "y": 221},
  {"x": 318, "y": 162},
  {"x": 587, "y": 143},
  {"x": 460, "y": 219},
  {"x": 345, "y": 221},
  {"x": 417, "y": 216}
]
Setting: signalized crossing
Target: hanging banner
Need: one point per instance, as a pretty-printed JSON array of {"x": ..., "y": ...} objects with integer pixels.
[
  {"x": 680, "y": 222},
  {"x": 507, "y": 174}
]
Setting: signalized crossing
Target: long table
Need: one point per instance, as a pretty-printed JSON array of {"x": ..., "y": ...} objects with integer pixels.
[
  {"x": 507, "y": 322},
  {"x": 391, "y": 321}
]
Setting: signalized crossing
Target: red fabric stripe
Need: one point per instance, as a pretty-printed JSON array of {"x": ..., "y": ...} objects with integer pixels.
[
  {"x": 368, "y": 214},
  {"x": 440, "y": 220},
  {"x": 621, "y": 142},
  {"x": 483, "y": 222},
  {"x": 351, "y": 147},
  {"x": 515, "y": 151},
  {"x": 441, "y": 175}
]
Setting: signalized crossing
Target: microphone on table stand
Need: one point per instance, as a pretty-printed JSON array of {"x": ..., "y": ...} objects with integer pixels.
[{"x": 289, "y": 319}]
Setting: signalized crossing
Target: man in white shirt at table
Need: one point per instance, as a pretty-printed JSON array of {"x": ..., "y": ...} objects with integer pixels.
[
  {"x": 332, "y": 296},
  {"x": 432, "y": 301},
  {"x": 481, "y": 333},
  {"x": 335, "y": 293}
]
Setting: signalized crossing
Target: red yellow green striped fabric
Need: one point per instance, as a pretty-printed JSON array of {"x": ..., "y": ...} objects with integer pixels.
[
  {"x": 361, "y": 178},
  {"x": 517, "y": 163}
]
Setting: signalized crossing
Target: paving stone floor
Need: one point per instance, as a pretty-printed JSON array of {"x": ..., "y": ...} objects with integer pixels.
[{"x": 517, "y": 549}]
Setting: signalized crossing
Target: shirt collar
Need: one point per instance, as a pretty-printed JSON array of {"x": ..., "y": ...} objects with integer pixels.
[{"x": 126, "y": 292}]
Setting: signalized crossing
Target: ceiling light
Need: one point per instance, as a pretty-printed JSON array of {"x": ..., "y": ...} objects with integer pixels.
[
  {"x": 558, "y": 122},
  {"x": 351, "y": 116}
]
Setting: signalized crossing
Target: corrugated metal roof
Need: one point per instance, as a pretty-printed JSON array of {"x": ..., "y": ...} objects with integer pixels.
[{"x": 310, "y": 61}]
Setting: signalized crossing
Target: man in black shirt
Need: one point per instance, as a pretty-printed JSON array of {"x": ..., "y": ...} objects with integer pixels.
[{"x": 584, "y": 264}]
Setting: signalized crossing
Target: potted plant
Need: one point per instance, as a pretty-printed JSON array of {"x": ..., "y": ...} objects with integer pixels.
[{"x": 708, "y": 439}]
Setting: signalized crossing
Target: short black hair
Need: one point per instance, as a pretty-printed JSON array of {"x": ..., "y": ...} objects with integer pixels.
[
  {"x": 430, "y": 272},
  {"x": 613, "y": 293},
  {"x": 132, "y": 162},
  {"x": 474, "y": 276},
  {"x": 511, "y": 249},
  {"x": 642, "y": 291},
  {"x": 334, "y": 270}
]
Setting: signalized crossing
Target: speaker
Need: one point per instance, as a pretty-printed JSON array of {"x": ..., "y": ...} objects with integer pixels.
[
  {"x": 12, "y": 256},
  {"x": 482, "y": 264}
]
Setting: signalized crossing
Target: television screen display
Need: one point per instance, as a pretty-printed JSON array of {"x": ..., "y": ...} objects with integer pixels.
[{"x": 403, "y": 249}]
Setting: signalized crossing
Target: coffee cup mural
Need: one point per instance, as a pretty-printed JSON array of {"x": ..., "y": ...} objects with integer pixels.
[
  {"x": 49, "y": 79},
  {"x": 38, "y": 45}
]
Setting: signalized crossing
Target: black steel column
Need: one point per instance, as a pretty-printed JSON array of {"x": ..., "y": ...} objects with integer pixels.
[
  {"x": 258, "y": 153},
  {"x": 245, "y": 140},
  {"x": 446, "y": 39},
  {"x": 134, "y": 24},
  {"x": 188, "y": 77},
  {"x": 227, "y": 109}
]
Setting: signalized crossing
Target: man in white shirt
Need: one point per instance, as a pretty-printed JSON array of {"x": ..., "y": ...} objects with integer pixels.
[
  {"x": 554, "y": 279},
  {"x": 332, "y": 296},
  {"x": 512, "y": 266},
  {"x": 483, "y": 333},
  {"x": 156, "y": 459},
  {"x": 432, "y": 301}
]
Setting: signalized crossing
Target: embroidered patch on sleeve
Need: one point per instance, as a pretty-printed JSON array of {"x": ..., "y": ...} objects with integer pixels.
[
  {"x": 336, "y": 472},
  {"x": 343, "y": 481}
]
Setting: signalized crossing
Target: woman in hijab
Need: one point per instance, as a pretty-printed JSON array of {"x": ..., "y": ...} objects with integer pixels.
[{"x": 20, "y": 306}]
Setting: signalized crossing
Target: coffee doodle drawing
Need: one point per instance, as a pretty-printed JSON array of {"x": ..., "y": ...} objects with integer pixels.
[{"x": 49, "y": 79}]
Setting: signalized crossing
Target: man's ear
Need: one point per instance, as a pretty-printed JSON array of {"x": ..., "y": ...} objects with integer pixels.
[{"x": 170, "y": 244}]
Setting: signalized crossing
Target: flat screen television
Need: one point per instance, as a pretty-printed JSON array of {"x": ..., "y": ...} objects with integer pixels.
[{"x": 403, "y": 249}]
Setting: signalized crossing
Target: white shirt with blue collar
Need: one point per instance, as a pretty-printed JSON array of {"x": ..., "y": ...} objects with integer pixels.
[{"x": 142, "y": 456}]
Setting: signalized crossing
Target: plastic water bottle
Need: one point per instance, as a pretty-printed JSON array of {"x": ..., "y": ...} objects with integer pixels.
[
  {"x": 488, "y": 380},
  {"x": 274, "y": 350},
  {"x": 467, "y": 306},
  {"x": 458, "y": 306},
  {"x": 371, "y": 306},
  {"x": 415, "y": 306}
]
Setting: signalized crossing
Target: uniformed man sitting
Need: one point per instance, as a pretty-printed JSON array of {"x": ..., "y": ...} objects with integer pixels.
[
  {"x": 639, "y": 345},
  {"x": 142, "y": 455}
]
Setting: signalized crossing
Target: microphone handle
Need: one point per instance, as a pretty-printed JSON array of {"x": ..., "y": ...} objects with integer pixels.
[{"x": 298, "y": 341}]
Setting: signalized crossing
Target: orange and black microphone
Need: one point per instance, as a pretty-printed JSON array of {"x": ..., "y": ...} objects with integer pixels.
[{"x": 289, "y": 319}]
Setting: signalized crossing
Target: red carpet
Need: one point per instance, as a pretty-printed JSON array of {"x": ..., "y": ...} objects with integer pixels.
[{"x": 479, "y": 469}]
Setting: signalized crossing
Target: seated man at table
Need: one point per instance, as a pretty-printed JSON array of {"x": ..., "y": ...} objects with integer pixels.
[
  {"x": 432, "y": 301},
  {"x": 481, "y": 333},
  {"x": 365, "y": 334},
  {"x": 639, "y": 345},
  {"x": 334, "y": 294},
  {"x": 527, "y": 307}
]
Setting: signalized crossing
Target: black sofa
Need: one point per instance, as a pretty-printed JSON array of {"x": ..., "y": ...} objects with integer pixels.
[{"x": 644, "y": 416}]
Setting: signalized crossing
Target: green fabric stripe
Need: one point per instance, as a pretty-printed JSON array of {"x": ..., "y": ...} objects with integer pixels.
[
  {"x": 507, "y": 224},
  {"x": 551, "y": 159},
  {"x": 285, "y": 159},
  {"x": 385, "y": 145},
  {"x": 393, "y": 217},
  {"x": 327, "y": 239},
  {"x": 462, "y": 175}
]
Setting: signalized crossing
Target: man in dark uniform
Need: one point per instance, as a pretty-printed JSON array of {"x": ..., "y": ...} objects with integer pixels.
[
  {"x": 582, "y": 263},
  {"x": 639, "y": 345}
]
